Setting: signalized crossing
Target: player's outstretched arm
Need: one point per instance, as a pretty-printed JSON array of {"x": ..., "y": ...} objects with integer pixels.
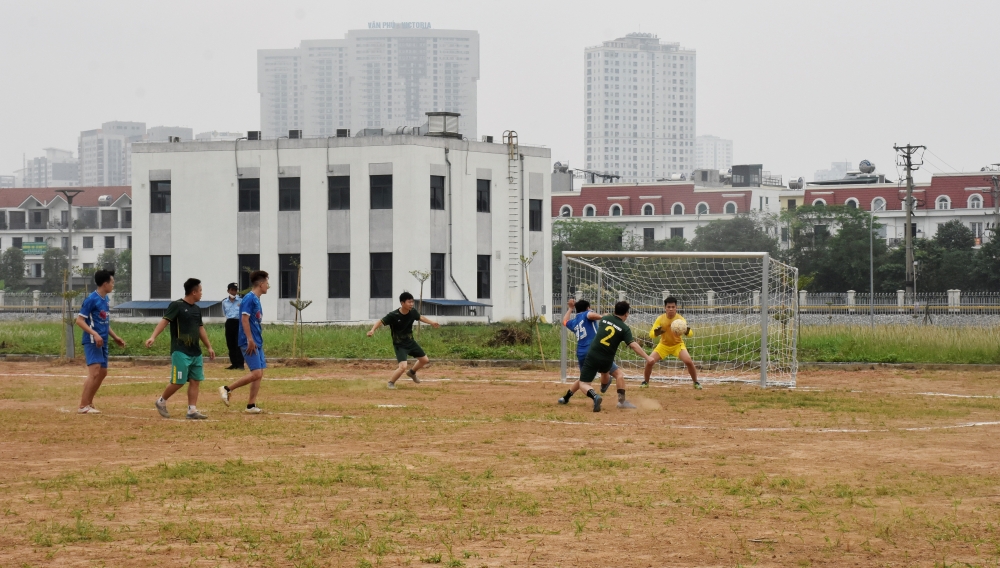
[
  {"x": 377, "y": 325},
  {"x": 204, "y": 339},
  {"x": 157, "y": 331},
  {"x": 116, "y": 337},
  {"x": 431, "y": 323},
  {"x": 593, "y": 316},
  {"x": 640, "y": 351},
  {"x": 572, "y": 307}
]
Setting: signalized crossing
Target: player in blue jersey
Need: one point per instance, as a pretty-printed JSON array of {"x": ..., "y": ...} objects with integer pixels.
[
  {"x": 584, "y": 324},
  {"x": 95, "y": 322},
  {"x": 251, "y": 342}
]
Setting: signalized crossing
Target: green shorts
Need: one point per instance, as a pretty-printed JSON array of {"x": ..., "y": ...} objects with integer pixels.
[
  {"x": 408, "y": 348},
  {"x": 184, "y": 367},
  {"x": 592, "y": 368}
]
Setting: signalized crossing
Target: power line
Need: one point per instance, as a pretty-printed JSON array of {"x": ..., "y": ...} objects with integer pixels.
[{"x": 942, "y": 161}]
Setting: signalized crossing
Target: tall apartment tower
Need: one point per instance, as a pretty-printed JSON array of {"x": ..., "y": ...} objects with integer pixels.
[
  {"x": 374, "y": 78},
  {"x": 57, "y": 168},
  {"x": 713, "y": 153},
  {"x": 104, "y": 153},
  {"x": 640, "y": 108}
]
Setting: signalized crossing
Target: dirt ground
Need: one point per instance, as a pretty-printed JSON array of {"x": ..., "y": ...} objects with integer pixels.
[{"x": 480, "y": 467}]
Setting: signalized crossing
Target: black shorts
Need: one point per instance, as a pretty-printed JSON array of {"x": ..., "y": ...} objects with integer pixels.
[
  {"x": 408, "y": 348},
  {"x": 592, "y": 368}
]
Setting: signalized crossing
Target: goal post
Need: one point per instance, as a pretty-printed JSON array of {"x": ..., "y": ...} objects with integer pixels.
[{"x": 741, "y": 308}]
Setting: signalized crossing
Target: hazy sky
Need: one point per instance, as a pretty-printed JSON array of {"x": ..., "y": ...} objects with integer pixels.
[{"x": 796, "y": 85}]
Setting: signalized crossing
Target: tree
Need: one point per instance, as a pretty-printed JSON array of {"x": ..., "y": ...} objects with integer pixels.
[
  {"x": 121, "y": 263},
  {"x": 986, "y": 267},
  {"x": 12, "y": 269},
  {"x": 831, "y": 246},
  {"x": 674, "y": 244},
  {"x": 954, "y": 236},
  {"x": 579, "y": 235},
  {"x": 54, "y": 264},
  {"x": 747, "y": 232}
]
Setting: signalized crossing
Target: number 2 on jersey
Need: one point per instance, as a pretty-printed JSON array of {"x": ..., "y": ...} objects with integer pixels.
[{"x": 608, "y": 337}]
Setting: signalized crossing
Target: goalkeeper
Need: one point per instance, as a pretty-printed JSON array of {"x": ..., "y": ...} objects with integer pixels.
[{"x": 671, "y": 343}]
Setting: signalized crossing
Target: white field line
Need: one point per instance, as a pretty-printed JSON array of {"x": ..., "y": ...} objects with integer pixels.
[{"x": 158, "y": 418}]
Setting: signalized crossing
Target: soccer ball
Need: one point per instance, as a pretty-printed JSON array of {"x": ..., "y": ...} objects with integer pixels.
[{"x": 679, "y": 327}]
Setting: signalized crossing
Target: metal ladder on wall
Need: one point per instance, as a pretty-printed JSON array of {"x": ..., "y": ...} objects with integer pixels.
[{"x": 513, "y": 210}]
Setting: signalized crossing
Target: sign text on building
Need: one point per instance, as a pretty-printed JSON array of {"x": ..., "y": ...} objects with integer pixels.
[
  {"x": 34, "y": 248},
  {"x": 399, "y": 25}
]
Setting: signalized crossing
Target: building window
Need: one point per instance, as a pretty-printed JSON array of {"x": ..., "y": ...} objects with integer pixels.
[
  {"x": 647, "y": 209},
  {"x": 648, "y": 237},
  {"x": 791, "y": 205},
  {"x": 678, "y": 209},
  {"x": 339, "y": 275},
  {"x": 159, "y": 277},
  {"x": 128, "y": 240},
  {"x": 16, "y": 242},
  {"x": 784, "y": 234},
  {"x": 616, "y": 210},
  {"x": 36, "y": 270},
  {"x": 878, "y": 204},
  {"x": 65, "y": 243},
  {"x": 381, "y": 274},
  {"x": 159, "y": 197},
  {"x": 483, "y": 264},
  {"x": 288, "y": 194},
  {"x": 534, "y": 214},
  {"x": 676, "y": 232},
  {"x": 249, "y": 194},
  {"x": 852, "y": 203},
  {"x": 88, "y": 242},
  {"x": 565, "y": 211},
  {"x": 109, "y": 242},
  {"x": 247, "y": 263},
  {"x": 942, "y": 202},
  {"x": 381, "y": 193},
  {"x": 975, "y": 202},
  {"x": 702, "y": 208},
  {"x": 437, "y": 275},
  {"x": 127, "y": 223},
  {"x": 482, "y": 196},
  {"x": 437, "y": 192},
  {"x": 288, "y": 274},
  {"x": 730, "y": 208},
  {"x": 338, "y": 193},
  {"x": 819, "y": 203},
  {"x": 588, "y": 211}
]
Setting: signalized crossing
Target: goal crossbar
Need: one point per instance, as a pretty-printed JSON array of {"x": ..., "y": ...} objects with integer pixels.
[{"x": 732, "y": 299}]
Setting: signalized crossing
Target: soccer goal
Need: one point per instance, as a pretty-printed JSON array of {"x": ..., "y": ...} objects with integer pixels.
[{"x": 741, "y": 307}]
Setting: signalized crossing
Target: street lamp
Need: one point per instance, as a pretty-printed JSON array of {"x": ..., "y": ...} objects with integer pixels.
[
  {"x": 69, "y": 194},
  {"x": 871, "y": 263}
]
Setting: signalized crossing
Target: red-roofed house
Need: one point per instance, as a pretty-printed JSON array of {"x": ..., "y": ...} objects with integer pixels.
[{"x": 35, "y": 219}]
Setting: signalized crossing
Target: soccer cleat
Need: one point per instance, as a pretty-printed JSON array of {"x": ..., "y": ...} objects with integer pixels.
[
  {"x": 254, "y": 410},
  {"x": 625, "y": 404},
  {"x": 597, "y": 403},
  {"x": 605, "y": 387},
  {"x": 644, "y": 385},
  {"x": 564, "y": 400},
  {"x": 224, "y": 395},
  {"x": 88, "y": 410},
  {"x": 162, "y": 408},
  {"x": 390, "y": 385},
  {"x": 413, "y": 375},
  {"x": 196, "y": 416},
  {"x": 697, "y": 385}
]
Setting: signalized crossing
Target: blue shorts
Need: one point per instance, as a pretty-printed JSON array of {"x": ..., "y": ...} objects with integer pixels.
[
  {"x": 581, "y": 356},
  {"x": 255, "y": 360},
  {"x": 96, "y": 354}
]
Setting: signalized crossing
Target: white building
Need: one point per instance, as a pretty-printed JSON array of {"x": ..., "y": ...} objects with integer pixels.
[
  {"x": 713, "y": 153},
  {"x": 57, "y": 168},
  {"x": 359, "y": 214},
  {"x": 216, "y": 136},
  {"x": 374, "y": 78},
  {"x": 104, "y": 153},
  {"x": 640, "y": 108},
  {"x": 838, "y": 170},
  {"x": 164, "y": 133}
]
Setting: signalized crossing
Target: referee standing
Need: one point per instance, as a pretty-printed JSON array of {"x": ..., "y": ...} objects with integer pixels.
[{"x": 231, "y": 307}]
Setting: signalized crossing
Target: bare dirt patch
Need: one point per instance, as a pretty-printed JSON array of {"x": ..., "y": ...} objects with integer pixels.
[{"x": 479, "y": 467}]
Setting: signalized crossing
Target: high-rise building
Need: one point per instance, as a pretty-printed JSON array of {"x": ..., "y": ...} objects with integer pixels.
[
  {"x": 640, "y": 104},
  {"x": 7, "y": 182},
  {"x": 712, "y": 153},
  {"x": 57, "y": 168},
  {"x": 374, "y": 78},
  {"x": 104, "y": 153}
]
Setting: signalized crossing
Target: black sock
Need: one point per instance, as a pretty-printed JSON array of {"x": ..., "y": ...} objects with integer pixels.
[
  {"x": 569, "y": 393},
  {"x": 227, "y": 388},
  {"x": 249, "y": 406},
  {"x": 621, "y": 392},
  {"x": 591, "y": 393}
]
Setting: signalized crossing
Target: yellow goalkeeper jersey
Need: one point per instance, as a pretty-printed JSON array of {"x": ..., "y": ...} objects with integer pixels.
[{"x": 668, "y": 338}]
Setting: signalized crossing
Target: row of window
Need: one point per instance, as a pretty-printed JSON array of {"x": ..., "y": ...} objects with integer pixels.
[
  {"x": 338, "y": 275},
  {"x": 88, "y": 242},
  {"x": 338, "y": 194},
  {"x": 678, "y": 209},
  {"x": 943, "y": 202}
]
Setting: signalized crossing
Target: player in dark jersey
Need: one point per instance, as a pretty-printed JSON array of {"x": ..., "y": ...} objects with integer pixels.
[
  {"x": 400, "y": 323},
  {"x": 612, "y": 331},
  {"x": 584, "y": 325}
]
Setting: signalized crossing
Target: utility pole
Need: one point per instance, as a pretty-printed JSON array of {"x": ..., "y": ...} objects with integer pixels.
[
  {"x": 994, "y": 178},
  {"x": 905, "y": 159},
  {"x": 69, "y": 194}
]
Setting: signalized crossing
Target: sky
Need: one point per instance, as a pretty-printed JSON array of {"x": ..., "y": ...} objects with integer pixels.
[{"x": 796, "y": 85}]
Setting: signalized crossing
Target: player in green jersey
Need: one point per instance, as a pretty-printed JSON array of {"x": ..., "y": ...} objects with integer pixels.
[{"x": 612, "y": 331}]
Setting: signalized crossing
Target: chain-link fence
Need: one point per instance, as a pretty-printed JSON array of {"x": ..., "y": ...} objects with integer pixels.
[{"x": 47, "y": 303}]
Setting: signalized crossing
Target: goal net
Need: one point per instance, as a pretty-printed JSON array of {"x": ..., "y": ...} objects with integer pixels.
[{"x": 741, "y": 308}]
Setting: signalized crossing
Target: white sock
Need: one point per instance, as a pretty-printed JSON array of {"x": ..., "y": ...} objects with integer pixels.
[
  {"x": 191, "y": 408},
  {"x": 162, "y": 401}
]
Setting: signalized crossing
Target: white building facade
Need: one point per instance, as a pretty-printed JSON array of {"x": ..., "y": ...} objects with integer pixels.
[
  {"x": 713, "y": 153},
  {"x": 374, "y": 78},
  {"x": 104, "y": 153},
  {"x": 640, "y": 108},
  {"x": 358, "y": 214}
]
